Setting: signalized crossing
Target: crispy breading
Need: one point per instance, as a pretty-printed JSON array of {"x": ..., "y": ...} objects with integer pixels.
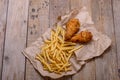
[
  {"x": 72, "y": 27},
  {"x": 82, "y": 37}
]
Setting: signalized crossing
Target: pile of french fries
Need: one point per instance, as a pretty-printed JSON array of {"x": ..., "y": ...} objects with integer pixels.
[{"x": 56, "y": 52}]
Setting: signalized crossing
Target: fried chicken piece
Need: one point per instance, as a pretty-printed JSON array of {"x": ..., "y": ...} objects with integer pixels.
[
  {"x": 72, "y": 27},
  {"x": 82, "y": 37}
]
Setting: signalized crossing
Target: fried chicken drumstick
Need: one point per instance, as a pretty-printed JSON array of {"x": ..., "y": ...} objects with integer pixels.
[
  {"x": 82, "y": 37},
  {"x": 72, "y": 27}
]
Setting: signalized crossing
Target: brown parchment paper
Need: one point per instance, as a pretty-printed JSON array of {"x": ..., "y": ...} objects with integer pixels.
[{"x": 96, "y": 47}]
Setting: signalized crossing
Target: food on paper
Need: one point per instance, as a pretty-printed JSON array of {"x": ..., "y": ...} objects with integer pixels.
[
  {"x": 97, "y": 46},
  {"x": 72, "y": 27},
  {"x": 56, "y": 52},
  {"x": 82, "y": 37}
]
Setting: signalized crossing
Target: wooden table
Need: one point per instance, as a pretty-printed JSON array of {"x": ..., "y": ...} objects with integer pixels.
[{"x": 23, "y": 21}]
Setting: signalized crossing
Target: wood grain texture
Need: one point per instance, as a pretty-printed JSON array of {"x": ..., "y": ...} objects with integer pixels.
[
  {"x": 15, "y": 15},
  {"x": 116, "y": 12},
  {"x": 88, "y": 71},
  {"x": 106, "y": 65},
  {"x": 3, "y": 15},
  {"x": 15, "y": 41},
  {"x": 58, "y": 8},
  {"x": 38, "y": 22}
]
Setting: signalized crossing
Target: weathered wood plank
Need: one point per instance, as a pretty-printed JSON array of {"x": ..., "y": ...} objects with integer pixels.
[
  {"x": 58, "y": 8},
  {"x": 116, "y": 12},
  {"x": 37, "y": 24},
  {"x": 3, "y": 13},
  {"x": 88, "y": 71},
  {"x": 106, "y": 65},
  {"x": 15, "y": 40}
]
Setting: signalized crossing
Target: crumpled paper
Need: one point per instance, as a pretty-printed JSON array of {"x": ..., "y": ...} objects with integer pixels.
[{"x": 96, "y": 47}]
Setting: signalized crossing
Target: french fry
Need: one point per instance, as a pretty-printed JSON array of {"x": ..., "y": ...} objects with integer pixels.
[
  {"x": 67, "y": 48},
  {"x": 62, "y": 58},
  {"x": 76, "y": 48},
  {"x": 47, "y": 41},
  {"x": 60, "y": 40},
  {"x": 69, "y": 56},
  {"x": 49, "y": 58},
  {"x": 68, "y": 44},
  {"x": 62, "y": 67},
  {"x": 45, "y": 57},
  {"x": 49, "y": 68},
  {"x": 65, "y": 56}
]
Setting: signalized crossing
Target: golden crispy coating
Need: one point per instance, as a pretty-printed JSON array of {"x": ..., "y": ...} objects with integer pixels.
[
  {"x": 72, "y": 27},
  {"x": 82, "y": 37}
]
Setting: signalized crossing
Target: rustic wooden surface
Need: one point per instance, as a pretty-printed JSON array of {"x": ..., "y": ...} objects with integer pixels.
[{"x": 23, "y": 21}]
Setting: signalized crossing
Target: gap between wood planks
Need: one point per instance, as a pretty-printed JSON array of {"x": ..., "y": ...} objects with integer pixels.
[
  {"x": 116, "y": 19},
  {"x": 3, "y": 22}
]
